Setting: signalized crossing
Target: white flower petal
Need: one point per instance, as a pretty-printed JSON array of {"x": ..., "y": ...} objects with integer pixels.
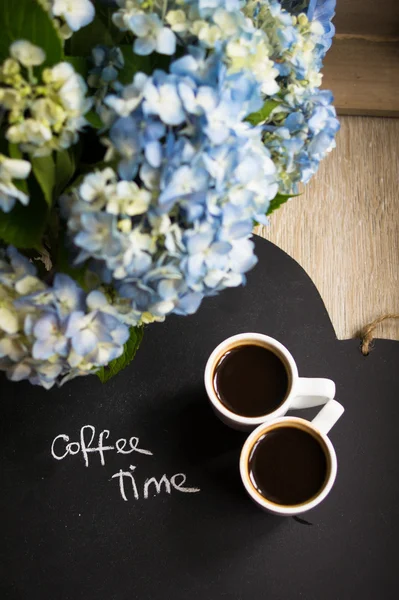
[
  {"x": 27, "y": 54},
  {"x": 15, "y": 168},
  {"x": 8, "y": 321},
  {"x": 166, "y": 42},
  {"x": 77, "y": 13}
]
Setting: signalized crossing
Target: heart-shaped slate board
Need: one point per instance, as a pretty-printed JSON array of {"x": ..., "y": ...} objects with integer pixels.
[{"x": 67, "y": 532}]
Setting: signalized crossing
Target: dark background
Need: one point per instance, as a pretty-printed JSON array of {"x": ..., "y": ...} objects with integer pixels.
[{"x": 67, "y": 533}]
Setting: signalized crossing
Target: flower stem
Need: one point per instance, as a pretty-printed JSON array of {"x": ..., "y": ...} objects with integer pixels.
[
  {"x": 31, "y": 77},
  {"x": 164, "y": 9}
]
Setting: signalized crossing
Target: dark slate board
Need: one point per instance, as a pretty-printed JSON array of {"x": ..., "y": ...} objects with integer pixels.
[{"x": 67, "y": 533}]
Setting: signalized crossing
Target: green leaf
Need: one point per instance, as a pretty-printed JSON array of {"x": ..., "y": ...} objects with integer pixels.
[
  {"x": 24, "y": 226},
  {"x": 278, "y": 200},
  {"x": 27, "y": 20},
  {"x": 94, "y": 120},
  {"x": 64, "y": 170},
  {"x": 14, "y": 151},
  {"x": 129, "y": 352},
  {"x": 83, "y": 41},
  {"x": 80, "y": 64},
  {"x": 104, "y": 13},
  {"x": 262, "y": 114},
  {"x": 43, "y": 168},
  {"x": 133, "y": 64}
]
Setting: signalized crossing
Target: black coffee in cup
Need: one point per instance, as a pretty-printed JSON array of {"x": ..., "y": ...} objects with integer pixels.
[
  {"x": 251, "y": 380},
  {"x": 288, "y": 465}
]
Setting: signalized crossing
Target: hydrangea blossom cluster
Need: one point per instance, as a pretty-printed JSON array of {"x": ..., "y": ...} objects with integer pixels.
[
  {"x": 323, "y": 11},
  {"x": 44, "y": 116},
  {"x": 299, "y": 140},
  {"x": 51, "y": 334},
  {"x": 69, "y": 15},
  {"x": 282, "y": 51},
  {"x": 301, "y": 128},
  {"x": 207, "y": 111},
  {"x": 174, "y": 225}
]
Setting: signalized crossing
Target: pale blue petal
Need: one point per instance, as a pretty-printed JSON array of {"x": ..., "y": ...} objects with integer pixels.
[
  {"x": 127, "y": 168},
  {"x": 75, "y": 323},
  {"x": 221, "y": 247},
  {"x": 166, "y": 42},
  {"x": 140, "y": 24},
  {"x": 84, "y": 341},
  {"x": 61, "y": 346},
  {"x": 195, "y": 265},
  {"x": 45, "y": 327},
  {"x": 189, "y": 304},
  {"x": 96, "y": 300},
  {"x": 120, "y": 334},
  {"x": 7, "y": 202},
  {"x": 167, "y": 289},
  {"x": 109, "y": 74},
  {"x": 69, "y": 295},
  {"x": 153, "y": 153},
  {"x": 240, "y": 229},
  {"x": 144, "y": 46},
  {"x": 199, "y": 242},
  {"x": 43, "y": 349}
]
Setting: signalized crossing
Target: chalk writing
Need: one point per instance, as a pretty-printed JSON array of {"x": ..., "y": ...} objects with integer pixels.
[
  {"x": 159, "y": 485},
  {"x": 129, "y": 487},
  {"x": 61, "y": 446}
]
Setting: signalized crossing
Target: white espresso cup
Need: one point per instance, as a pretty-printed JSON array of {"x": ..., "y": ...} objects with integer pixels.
[
  {"x": 302, "y": 392},
  {"x": 318, "y": 428}
]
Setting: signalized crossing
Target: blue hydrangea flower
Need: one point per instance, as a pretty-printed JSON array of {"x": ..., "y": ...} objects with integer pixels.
[
  {"x": 86, "y": 332},
  {"x": 170, "y": 222},
  {"x": 56, "y": 332},
  {"x": 207, "y": 175},
  {"x": 151, "y": 35},
  {"x": 107, "y": 64},
  {"x": 161, "y": 98},
  {"x": 324, "y": 11},
  {"x": 76, "y": 13},
  {"x": 180, "y": 138},
  {"x": 50, "y": 338}
]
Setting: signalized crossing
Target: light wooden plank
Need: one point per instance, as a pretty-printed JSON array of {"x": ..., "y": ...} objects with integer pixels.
[
  {"x": 368, "y": 17},
  {"x": 344, "y": 230},
  {"x": 364, "y": 76}
]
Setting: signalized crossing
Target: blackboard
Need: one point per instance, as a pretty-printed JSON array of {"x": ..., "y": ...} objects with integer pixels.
[{"x": 67, "y": 532}]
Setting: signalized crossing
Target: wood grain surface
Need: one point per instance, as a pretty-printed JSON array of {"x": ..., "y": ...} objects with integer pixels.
[
  {"x": 344, "y": 230},
  {"x": 368, "y": 17},
  {"x": 362, "y": 67},
  {"x": 364, "y": 75}
]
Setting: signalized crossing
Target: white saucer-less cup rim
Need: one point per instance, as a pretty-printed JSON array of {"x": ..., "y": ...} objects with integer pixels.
[
  {"x": 279, "y": 509},
  {"x": 302, "y": 392}
]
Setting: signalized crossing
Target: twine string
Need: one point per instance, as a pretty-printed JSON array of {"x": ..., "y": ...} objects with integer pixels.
[{"x": 366, "y": 334}]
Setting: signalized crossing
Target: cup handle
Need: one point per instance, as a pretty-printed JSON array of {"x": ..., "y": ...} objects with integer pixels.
[
  {"x": 328, "y": 416},
  {"x": 312, "y": 391}
]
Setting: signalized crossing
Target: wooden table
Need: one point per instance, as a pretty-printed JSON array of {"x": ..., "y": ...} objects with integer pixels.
[{"x": 344, "y": 230}]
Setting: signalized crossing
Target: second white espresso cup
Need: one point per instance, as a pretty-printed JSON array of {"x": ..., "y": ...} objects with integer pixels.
[
  {"x": 318, "y": 428},
  {"x": 302, "y": 392}
]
